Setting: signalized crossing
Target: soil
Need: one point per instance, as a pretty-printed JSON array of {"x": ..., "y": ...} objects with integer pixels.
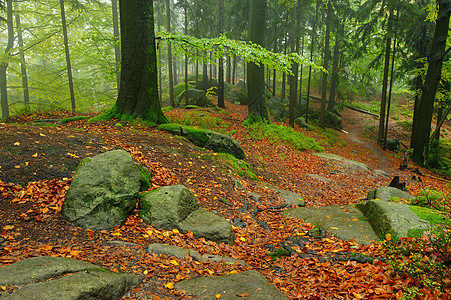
[{"x": 38, "y": 160}]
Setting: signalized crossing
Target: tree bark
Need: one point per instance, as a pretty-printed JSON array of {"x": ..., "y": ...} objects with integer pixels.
[
  {"x": 23, "y": 67},
  {"x": 322, "y": 116},
  {"x": 138, "y": 96},
  {"x": 257, "y": 108},
  {"x": 68, "y": 62},
  {"x": 171, "y": 78},
  {"x": 421, "y": 146},
  {"x": 334, "y": 79},
  {"x": 312, "y": 43},
  {"x": 293, "y": 78},
  {"x": 117, "y": 48},
  {"x": 4, "y": 65},
  {"x": 221, "y": 59},
  {"x": 185, "y": 6}
]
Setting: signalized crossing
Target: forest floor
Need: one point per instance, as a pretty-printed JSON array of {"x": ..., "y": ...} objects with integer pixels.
[{"x": 38, "y": 160}]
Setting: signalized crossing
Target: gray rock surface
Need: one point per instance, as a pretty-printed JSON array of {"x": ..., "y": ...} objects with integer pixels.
[
  {"x": 166, "y": 207},
  {"x": 235, "y": 94},
  {"x": 288, "y": 196},
  {"x": 386, "y": 194},
  {"x": 203, "y": 223},
  {"x": 390, "y": 217},
  {"x": 277, "y": 109},
  {"x": 349, "y": 162},
  {"x": 208, "y": 139},
  {"x": 323, "y": 179},
  {"x": 231, "y": 286},
  {"x": 41, "y": 278},
  {"x": 104, "y": 191},
  {"x": 345, "y": 222},
  {"x": 181, "y": 253},
  {"x": 301, "y": 122},
  {"x": 195, "y": 97}
]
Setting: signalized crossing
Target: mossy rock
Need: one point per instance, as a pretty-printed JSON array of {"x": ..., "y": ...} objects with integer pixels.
[{"x": 146, "y": 176}]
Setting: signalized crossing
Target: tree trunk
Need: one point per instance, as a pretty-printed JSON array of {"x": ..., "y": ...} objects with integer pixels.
[
  {"x": 234, "y": 69},
  {"x": 197, "y": 69},
  {"x": 293, "y": 78},
  {"x": 68, "y": 63},
  {"x": 322, "y": 116},
  {"x": 421, "y": 146},
  {"x": 117, "y": 48},
  {"x": 175, "y": 73},
  {"x": 284, "y": 76},
  {"x": 256, "y": 74},
  {"x": 221, "y": 59},
  {"x": 138, "y": 96},
  {"x": 312, "y": 43},
  {"x": 229, "y": 69},
  {"x": 387, "y": 117},
  {"x": 170, "y": 75},
  {"x": 23, "y": 68},
  {"x": 185, "y": 6},
  {"x": 334, "y": 80},
  {"x": 385, "y": 79},
  {"x": 160, "y": 89}
]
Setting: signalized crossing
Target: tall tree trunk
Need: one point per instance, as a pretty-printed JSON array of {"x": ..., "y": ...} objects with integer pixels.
[
  {"x": 197, "y": 69},
  {"x": 312, "y": 43},
  {"x": 221, "y": 60},
  {"x": 257, "y": 108},
  {"x": 138, "y": 96},
  {"x": 68, "y": 63},
  {"x": 385, "y": 78},
  {"x": 322, "y": 116},
  {"x": 334, "y": 80},
  {"x": 117, "y": 48},
  {"x": 229, "y": 69},
  {"x": 387, "y": 117},
  {"x": 302, "y": 71},
  {"x": 160, "y": 89},
  {"x": 293, "y": 78},
  {"x": 175, "y": 72},
  {"x": 421, "y": 146},
  {"x": 4, "y": 65},
  {"x": 185, "y": 6},
  {"x": 171, "y": 78},
  {"x": 234, "y": 69},
  {"x": 284, "y": 77},
  {"x": 275, "y": 51},
  {"x": 23, "y": 67}
]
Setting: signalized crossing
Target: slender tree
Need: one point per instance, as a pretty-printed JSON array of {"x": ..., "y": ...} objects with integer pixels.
[
  {"x": 117, "y": 48},
  {"x": 23, "y": 66},
  {"x": 322, "y": 116},
  {"x": 423, "y": 128},
  {"x": 293, "y": 78},
  {"x": 185, "y": 8},
  {"x": 258, "y": 110},
  {"x": 67, "y": 52},
  {"x": 4, "y": 64},
  {"x": 171, "y": 78},
  {"x": 221, "y": 60}
]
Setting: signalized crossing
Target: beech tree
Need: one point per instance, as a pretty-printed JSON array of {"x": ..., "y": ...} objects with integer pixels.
[
  {"x": 4, "y": 63},
  {"x": 138, "y": 95}
]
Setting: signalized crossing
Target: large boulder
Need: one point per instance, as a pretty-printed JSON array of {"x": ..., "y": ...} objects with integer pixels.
[
  {"x": 388, "y": 193},
  {"x": 203, "y": 223},
  {"x": 206, "y": 138},
  {"x": 195, "y": 97},
  {"x": 249, "y": 283},
  {"x": 176, "y": 207},
  {"x": 235, "y": 95},
  {"x": 348, "y": 162},
  {"x": 302, "y": 123},
  {"x": 166, "y": 207},
  {"x": 103, "y": 192},
  {"x": 277, "y": 109},
  {"x": 63, "y": 278},
  {"x": 390, "y": 217},
  {"x": 241, "y": 85}
]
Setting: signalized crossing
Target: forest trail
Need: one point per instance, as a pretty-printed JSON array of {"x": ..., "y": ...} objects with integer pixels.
[{"x": 43, "y": 156}]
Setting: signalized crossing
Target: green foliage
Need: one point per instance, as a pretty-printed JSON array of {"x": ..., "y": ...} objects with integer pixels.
[
  {"x": 167, "y": 108},
  {"x": 278, "y": 253},
  {"x": 440, "y": 156},
  {"x": 424, "y": 259},
  {"x": 146, "y": 176},
  {"x": 283, "y": 134},
  {"x": 72, "y": 119},
  {"x": 236, "y": 166},
  {"x": 202, "y": 120},
  {"x": 253, "y": 119},
  {"x": 433, "y": 199}
]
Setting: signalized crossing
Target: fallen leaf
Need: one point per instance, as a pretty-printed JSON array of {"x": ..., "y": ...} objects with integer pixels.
[
  {"x": 169, "y": 285},
  {"x": 3, "y": 288},
  {"x": 355, "y": 219},
  {"x": 35, "y": 155},
  {"x": 336, "y": 228},
  {"x": 174, "y": 262},
  {"x": 16, "y": 144},
  {"x": 218, "y": 296},
  {"x": 41, "y": 134},
  {"x": 243, "y": 295},
  {"x": 8, "y": 227}
]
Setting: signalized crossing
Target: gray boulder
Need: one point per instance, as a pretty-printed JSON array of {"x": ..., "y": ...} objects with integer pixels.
[
  {"x": 390, "y": 217},
  {"x": 386, "y": 194},
  {"x": 301, "y": 122},
  {"x": 206, "y": 138},
  {"x": 166, "y": 207},
  {"x": 277, "y": 109},
  {"x": 235, "y": 95},
  {"x": 231, "y": 286},
  {"x": 241, "y": 85},
  {"x": 349, "y": 162},
  {"x": 104, "y": 191},
  {"x": 195, "y": 97},
  {"x": 392, "y": 144},
  {"x": 41, "y": 278},
  {"x": 288, "y": 196},
  {"x": 203, "y": 223}
]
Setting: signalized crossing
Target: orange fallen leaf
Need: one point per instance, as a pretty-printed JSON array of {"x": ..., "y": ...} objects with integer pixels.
[
  {"x": 169, "y": 285},
  {"x": 243, "y": 295},
  {"x": 3, "y": 287},
  {"x": 8, "y": 227}
]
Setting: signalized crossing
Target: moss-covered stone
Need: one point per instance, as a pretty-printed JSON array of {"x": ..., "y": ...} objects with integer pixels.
[
  {"x": 72, "y": 119},
  {"x": 146, "y": 176}
]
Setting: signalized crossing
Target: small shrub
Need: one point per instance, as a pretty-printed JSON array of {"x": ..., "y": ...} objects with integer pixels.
[{"x": 433, "y": 199}]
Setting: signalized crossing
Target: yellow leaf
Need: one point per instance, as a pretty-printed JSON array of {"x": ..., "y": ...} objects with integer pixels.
[
  {"x": 388, "y": 237},
  {"x": 358, "y": 296},
  {"x": 233, "y": 272},
  {"x": 175, "y": 231},
  {"x": 328, "y": 217},
  {"x": 242, "y": 239},
  {"x": 116, "y": 234},
  {"x": 146, "y": 272},
  {"x": 210, "y": 272},
  {"x": 334, "y": 228},
  {"x": 3, "y": 288},
  {"x": 218, "y": 296},
  {"x": 179, "y": 277},
  {"x": 149, "y": 232},
  {"x": 44, "y": 210},
  {"x": 75, "y": 252},
  {"x": 174, "y": 262},
  {"x": 41, "y": 134},
  {"x": 8, "y": 227},
  {"x": 35, "y": 155},
  {"x": 16, "y": 144},
  {"x": 169, "y": 285},
  {"x": 166, "y": 233}
]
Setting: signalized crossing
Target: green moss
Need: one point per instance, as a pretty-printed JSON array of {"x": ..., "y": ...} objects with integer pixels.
[
  {"x": 72, "y": 119},
  {"x": 144, "y": 206},
  {"x": 283, "y": 134},
  {"x": 153, "y": 117},
  {"x": 83, "y": 162},
  {"x": 237, "y": 166},
  {"x": 167, "y": 108},
  {"x": 197, "y": 136},
  {"x": 203, "y": 120},
  {"x": 278, "y": 253},
  {"x": 253, "y": 119},
  {"x": 146, "y": 176}
]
